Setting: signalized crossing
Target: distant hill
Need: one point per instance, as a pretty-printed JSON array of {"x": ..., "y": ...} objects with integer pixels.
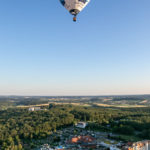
[{"x": 117, "y": 101}]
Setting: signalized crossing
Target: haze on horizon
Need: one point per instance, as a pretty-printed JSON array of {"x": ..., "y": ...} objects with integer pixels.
[{"x": 106, "y": 52}]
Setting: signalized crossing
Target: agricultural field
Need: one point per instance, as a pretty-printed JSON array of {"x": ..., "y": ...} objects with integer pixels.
[{"x": 100, "y": 101}]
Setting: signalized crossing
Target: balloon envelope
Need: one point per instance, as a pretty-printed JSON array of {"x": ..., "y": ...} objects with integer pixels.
[{"x": 74, "y": 6}]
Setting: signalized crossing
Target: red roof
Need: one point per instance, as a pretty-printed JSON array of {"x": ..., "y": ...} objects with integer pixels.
[{"x": 83, "y": 139}]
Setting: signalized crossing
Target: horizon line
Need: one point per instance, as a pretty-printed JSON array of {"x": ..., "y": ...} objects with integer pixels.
[{"x": 72, "y": 95}]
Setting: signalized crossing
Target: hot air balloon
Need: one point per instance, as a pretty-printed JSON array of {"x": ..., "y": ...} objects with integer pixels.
[{"x": 74, "y": 6}]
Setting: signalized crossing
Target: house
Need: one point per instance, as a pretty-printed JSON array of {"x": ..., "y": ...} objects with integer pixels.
[
  {"x": 34, "y": 108},
  {"x": 31, "y": 109},
  {"x": 85, "y": 142},
  {"x": 82, "y": 139},
  {"x": 81, "y": 125},
  {"x": 141, "y": 145}
]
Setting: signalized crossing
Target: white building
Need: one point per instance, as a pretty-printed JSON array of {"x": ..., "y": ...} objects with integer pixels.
[
  {"x": 81, "y": 125},
  {"x": 34, "y": 108},
  {"x": 31, "y": 109},
  {"x": 141, "y": 145}
]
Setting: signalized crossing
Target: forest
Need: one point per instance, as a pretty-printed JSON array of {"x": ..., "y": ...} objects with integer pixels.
[{"x": 19, "y": 127}]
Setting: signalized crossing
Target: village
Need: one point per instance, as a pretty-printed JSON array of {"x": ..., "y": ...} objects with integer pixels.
[{"x": 78, "y": 138}]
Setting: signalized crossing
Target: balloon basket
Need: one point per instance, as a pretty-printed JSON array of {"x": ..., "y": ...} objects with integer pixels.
[{"x": 74, "y": 19}]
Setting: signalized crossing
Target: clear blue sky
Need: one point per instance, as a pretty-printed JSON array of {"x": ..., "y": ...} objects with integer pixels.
[{"x": 42, "y": 52}]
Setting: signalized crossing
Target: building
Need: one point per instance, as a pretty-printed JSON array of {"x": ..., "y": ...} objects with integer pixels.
[
  {"x": 31, "y": 109},
  {"x": 81, "y": 125},
  {"x": 85, "y": 142},
  {"x": 141, "y": 145},
  {"x": 34, "y": 108}
]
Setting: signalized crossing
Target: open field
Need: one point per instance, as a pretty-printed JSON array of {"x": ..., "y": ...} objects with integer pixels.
[
  {"x": 83, "y": 104},
  {"x": 101, "y": 101},
  {"x": 39, "y": 105}
]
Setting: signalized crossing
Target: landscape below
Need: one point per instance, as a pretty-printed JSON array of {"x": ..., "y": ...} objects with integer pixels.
[{"x": 121, "y": 119}]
